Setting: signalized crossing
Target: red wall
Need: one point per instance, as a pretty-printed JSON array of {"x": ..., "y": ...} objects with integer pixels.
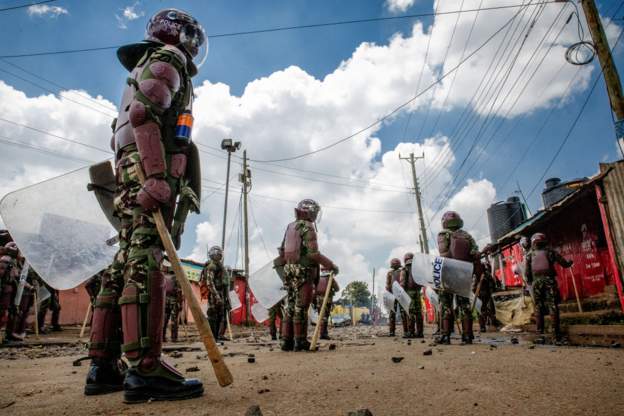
[{"x": 577, "y": 234}]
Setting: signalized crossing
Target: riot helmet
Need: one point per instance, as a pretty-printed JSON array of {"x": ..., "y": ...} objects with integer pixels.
[
  {"x": 178, "y": 28},
  {"x": 308, "y": 210},
  {"x": 215, "y": 253},
  {"x": 408, "y": 257},
  {"x": 395, "y": 263},
  {"x": 539, "y": 240},
  {"x": 452, "y": 221}
]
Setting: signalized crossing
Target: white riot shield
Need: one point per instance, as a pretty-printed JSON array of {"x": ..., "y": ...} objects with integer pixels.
[
  {"x": 313, "y": 316},
  {"x": 401, "y": 295},
  {"x": 443, "y": 273},
  {"x": 388, "y": 300},
  {"x": 235, "y": 302},
  {"x": 266, "y": 286},
  {"x": 259, "y": 312},
  {"x": 21, "y": 283},
  {"x": 60, "y": 228}
]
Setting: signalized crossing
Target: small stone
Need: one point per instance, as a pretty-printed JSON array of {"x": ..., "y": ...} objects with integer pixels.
[
  {"x": 262, "y": 391},
  {"x": 422, "y": 341},
  {"x": 253, "y": 410},
  {"x": 514, "y": 340},
  {"x": 428, "y": 352},
  {"x": 192, "y": 369},
  {"x": 332, "y": 347},
  {"x": 493, "y": 347},
  {"x": 265, "y": 378},
  {"x": 361, "y": 412},
  {"x": 421, "y": 367},
  {"x": 251, "y": 360},
  {"x": 409, "y": 342},
  {"x": 531, "y": 347},
  {"x": 74, "y": 372},
  {"x": 397, "y": 359},
  {"x": 175, "y": 354},
  {"x": 616, "y": 345},
  {"x": 476, "y": 404}
]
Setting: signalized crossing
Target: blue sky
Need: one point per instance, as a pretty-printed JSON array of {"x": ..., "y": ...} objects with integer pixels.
[{"x": 238, "y": 61}]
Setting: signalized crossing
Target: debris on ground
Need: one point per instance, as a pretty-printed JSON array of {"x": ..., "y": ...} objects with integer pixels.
[
  {"x": 175, "y": 354},
  {"x": 192, "y": 369},
  {"x": 397, "y": 359},
  {"x": 361, "y": 412},
  {"x": 254, "y": 410},
  {"x": 427, "y": 352}
]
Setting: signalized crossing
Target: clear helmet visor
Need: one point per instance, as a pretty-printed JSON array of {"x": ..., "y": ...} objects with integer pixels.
[{"x": 194, "y": 40}]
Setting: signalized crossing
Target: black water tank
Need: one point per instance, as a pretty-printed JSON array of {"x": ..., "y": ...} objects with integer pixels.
[
  {"x": 555, "y": 191},
  {"x": 504, "y": 216}
]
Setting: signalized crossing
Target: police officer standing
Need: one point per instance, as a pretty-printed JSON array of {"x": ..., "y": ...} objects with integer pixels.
[
  {"x": 414, "y": 317},
  {"x": 541, "y": 274}
]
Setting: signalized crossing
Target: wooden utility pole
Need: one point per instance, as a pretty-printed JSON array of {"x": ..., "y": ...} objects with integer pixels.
[
  {"x": 423, "y": 231},
  {"x": 229, "y": 146},
  {"x": 245, "y": 178},
  {"x": 612, "y": 79}
]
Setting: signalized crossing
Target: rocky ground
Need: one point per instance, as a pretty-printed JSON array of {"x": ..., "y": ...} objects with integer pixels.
[{"x": 362, "y": 370}]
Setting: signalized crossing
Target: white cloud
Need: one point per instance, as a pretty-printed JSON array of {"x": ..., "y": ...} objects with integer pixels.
[
  {"x": 41, "y": 10},
  {"x": 128, "y": 14},
  {"x": 399, "y": 5}
]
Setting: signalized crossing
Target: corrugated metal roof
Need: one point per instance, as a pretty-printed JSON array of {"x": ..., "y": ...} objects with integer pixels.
[{"x": 545, "y": 214}]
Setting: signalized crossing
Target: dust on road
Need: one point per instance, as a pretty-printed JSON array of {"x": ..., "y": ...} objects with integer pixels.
[{"x": 493, "y": 377}]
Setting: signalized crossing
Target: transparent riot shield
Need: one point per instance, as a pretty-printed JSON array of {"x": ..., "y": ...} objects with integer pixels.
[
  {"x": 235, "y": 302},
  {"x": 259, "y": 312},
  {"x": 266, "y": 285},
  {"x": 401, "y": 295},
  {"x": 43, "y": 294},
  {"x": 60, "y": 228},
  {"x": 388, "y": 300}
]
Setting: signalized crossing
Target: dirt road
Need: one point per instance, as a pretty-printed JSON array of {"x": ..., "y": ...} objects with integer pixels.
[{"x": 502, "y": 379}]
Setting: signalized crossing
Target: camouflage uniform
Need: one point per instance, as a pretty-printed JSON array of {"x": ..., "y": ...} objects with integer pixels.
[
  {"x": 16, "y": 327},
  {"x": 274, "y": 312},
  {"x": 541, "y": 273},
  {"x": 455, "y": 243},
  {"x": 7, "y": 290},
  {"x": 173, "y": 304},
  {"x": 414, "y": 317},
  {"x": 52, "y": 303},
  {"x": 301, "y": 272},
  {"x": 147, "y": 136},
  {"x": 317, "y": 303},
  {"x": 214, "y": 277},
  {"x": 487, "y": 288},
  {"x": 394, "y": 275}
]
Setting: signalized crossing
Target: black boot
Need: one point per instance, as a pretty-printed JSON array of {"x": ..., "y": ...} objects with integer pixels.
[
  {"x": 162, "y": 382},
  {"x": 104, "y": 376},
  {"x": 445, "y": 329},
  {"x": 286, "y": 336},
  {"x": 302, "y": 344},
  {"x": 324, "y": 333}
]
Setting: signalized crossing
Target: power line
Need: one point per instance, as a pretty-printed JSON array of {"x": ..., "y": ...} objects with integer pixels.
[
  {"x": 286, "y": 28},
  {"x": 21, "y": 6},
  {"x": 354, "y": 209},
  {"x": 56, "y": 136},
  {"x": 397, "y": 109},
  {"x": 8, "y": 141}
]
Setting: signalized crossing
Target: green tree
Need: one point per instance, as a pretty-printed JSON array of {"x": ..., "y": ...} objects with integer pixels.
[{"x": 356, "y": 293}]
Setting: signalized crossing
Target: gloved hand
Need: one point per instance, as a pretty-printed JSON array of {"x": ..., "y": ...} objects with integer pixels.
[
  {"x": 154, "y": 192},
  {"x": 335, "y": 270}
]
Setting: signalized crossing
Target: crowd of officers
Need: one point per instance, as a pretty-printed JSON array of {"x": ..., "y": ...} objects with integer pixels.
[
  {"x": 538, "y": 272},
  {"x": 20, "y": 293}
]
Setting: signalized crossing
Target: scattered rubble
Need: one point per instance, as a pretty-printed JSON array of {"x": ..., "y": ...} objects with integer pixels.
[
  {"x": 192, "y": 369},
  {"x": 397, "y": 359},
  {"x": 254, "y": 410},
  {"x": 428, "y": 352}
]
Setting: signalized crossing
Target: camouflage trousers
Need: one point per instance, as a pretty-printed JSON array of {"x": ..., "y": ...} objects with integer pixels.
[
  {"x": 216, "y": 314},
  {"x": 318, "y": 304},
  {"x": 546, "y": 294},
  {"x": 299, "y": 293},
  {"x": 274, "y": 313},
  {"x": 392, "y": 316},
  {"x": 415, "y": 309},
  {"x": 133, "y": 283},
  {"x": 446, "y": 305}
]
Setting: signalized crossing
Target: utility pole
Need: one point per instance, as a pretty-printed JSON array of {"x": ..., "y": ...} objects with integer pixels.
[
  {"x": 612, "y": 79},
  {"x": 423, "y": 232},
  {"x": 373, "y": 301},
  {"x": 230, "y": 146},
  {"x": 526, "y": 204},
  {"x": 245, "y": 178}
]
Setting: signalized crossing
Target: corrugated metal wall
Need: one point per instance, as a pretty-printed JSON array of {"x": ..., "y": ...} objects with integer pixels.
[{"x": 614, "y": 191}]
